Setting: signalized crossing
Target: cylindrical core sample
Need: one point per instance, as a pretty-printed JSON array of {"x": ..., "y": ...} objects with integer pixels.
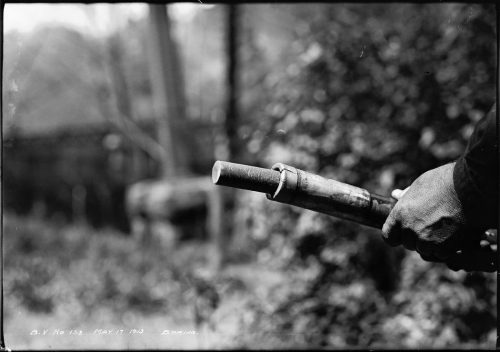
[{"x": 246, "y": 177}]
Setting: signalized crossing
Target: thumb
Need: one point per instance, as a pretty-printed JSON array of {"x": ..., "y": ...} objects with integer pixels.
[
  {"x": 398, "y": 193},
  {"x": 390, "y": 232}
]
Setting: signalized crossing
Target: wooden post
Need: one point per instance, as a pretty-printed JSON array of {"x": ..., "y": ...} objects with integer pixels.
[
  {"x": 169, "y": 102},
  {"x": 231, "y": 121},
  {"x": 2, "y": 341},
  {"x": 497, "y": 8},
  {"x": 214, "y": 228}
]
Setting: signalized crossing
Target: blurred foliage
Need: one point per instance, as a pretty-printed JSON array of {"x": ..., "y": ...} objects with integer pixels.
[
  {"x": 372, "y": 95},
  {"x": 391, "y": 88},
  {"x": 100, "y": 270},
  {"x": 347, "y": 288},
  {"x": 85, "y": 277},
  {"x": 74, "y": 276},
  {"x": 55, "y": 77}
]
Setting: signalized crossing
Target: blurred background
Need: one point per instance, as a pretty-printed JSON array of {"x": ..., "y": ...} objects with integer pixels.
[{"x": 113, "y": 115}]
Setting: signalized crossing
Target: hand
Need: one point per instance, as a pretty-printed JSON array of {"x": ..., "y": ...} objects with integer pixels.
[
  {"x": 484, "y": 258},
  {"x": 428, "y": 218}
]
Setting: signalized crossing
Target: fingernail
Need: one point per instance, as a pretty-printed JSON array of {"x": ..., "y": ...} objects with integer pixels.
[
  {"x": 385, "y": 230},
  {"x": 484, "y": 243},
  {"x": 395, "y": 193}
]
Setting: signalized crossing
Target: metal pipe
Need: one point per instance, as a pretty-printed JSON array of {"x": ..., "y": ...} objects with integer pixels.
[
  {"x": 245, "y": 177},
  {"x": 286, "y": 184},
  {"x": 313, "y": 192}
]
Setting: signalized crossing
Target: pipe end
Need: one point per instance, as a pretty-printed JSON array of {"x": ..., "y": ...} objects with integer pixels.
[{"x": 216, "y": 171}]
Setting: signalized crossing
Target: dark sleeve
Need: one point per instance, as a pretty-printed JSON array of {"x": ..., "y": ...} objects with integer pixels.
[{"x": 476, "y": 175}]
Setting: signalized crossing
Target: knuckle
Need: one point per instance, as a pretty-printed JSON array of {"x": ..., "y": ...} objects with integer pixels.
[
  {"x": 408, "y": 239},
  {"x": 429, "y": 258},
  {"x": 390, "y": 225},
  {"x": 392, "y": 237},
  {"x": 424, "y": 247}
]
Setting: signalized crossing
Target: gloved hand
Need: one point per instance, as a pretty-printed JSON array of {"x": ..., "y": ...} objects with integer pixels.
[{"x": 428, "y": 218}]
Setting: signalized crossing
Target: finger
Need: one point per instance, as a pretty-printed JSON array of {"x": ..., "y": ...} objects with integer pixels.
[
  {"x": 435, "y": 252},
  {"x": 490, "y": 236},
  {"x": 459, "y": 241},
  {"x": 484, "y": 243},
  {"x": 424, "y": 248},
  {"x": 430, "y": 258},
  {"x": 408, "y": 239},
  {"x": 442, "y": 253},
  {"x": 453, "y": 263},
  {"x": 390, "y": 231},
  {"x": 398, "y": 193}
]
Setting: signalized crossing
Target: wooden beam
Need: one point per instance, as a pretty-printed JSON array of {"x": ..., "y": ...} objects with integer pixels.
[{"x": 169, "y": 102}]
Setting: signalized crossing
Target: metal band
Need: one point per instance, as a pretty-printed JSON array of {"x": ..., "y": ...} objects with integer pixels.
[{"x": 289, "y": 180}]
